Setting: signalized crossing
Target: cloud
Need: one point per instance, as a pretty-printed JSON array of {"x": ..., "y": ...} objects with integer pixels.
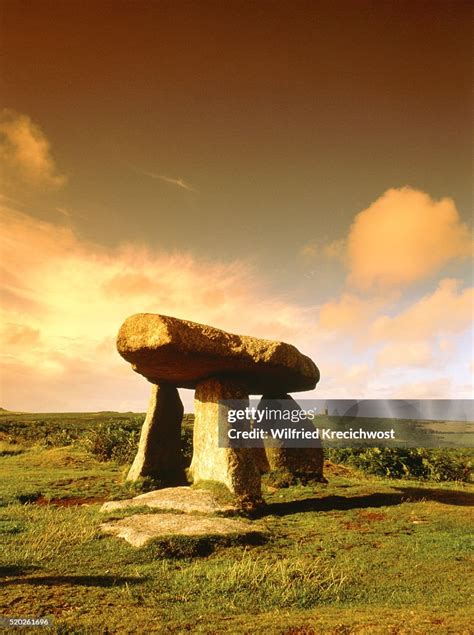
[
  {"x": 439, "y": 388},
  {"x": 345, "y": 380},
  {"x": 404, "y": 236},
  {"x": 167, "y": 179},
  {"x": 401, "y": 238},
  {"x": 63, "y": 300},
  {"x": 367, "y": 381},
  {"x": 448, "y": 310},
  {"x": 64, "y": 212},
  {"x": 177, "y": 182},
  {"x": 19, "y": 335},
  {"x": 309, "y": 251},
  {"x": 25, "y": 151},
  {"x": 424, "y": 338},
  {"x": 418, "y": 354},
  {"x": 349, "y": 312},
  {"x": 334, "y": 250}
]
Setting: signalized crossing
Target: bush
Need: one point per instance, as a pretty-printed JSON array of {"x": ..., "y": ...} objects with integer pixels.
[
  {"x": 118, "y": 441},
  {"x": 60, "y": 429},
  {"x": 187, "y": 440},
  {"x": 110, "y": 441},
  {"x": 420, "y": 463}
]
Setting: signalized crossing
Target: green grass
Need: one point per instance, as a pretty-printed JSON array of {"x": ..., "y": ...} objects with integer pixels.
[
  {"x": 360, "y": 554},
  {"x": 57, "y": 473}
]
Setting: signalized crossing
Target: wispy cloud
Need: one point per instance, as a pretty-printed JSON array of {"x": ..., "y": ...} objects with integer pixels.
[
  {"x": 68, "y": 213},
  {"x": 167, "y": 179},
  {"x": 9, "y": 200},
  {"x": 64, "y": 212},
  {"x": 334, "y": 250}
]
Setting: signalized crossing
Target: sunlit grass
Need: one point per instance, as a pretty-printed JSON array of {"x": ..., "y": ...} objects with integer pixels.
[{"x": 360, "y": 554}]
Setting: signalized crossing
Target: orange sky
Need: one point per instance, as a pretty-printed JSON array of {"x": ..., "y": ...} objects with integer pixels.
[{"x": 296, "y": 171}]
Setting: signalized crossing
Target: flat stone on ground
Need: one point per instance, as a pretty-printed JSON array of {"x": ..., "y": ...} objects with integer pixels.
[
  {"x": 138, "y": 530},
  {"x": 183, "y": 499}
]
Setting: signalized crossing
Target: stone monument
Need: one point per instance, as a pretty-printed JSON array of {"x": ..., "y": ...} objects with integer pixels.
[{"x": 172, "y": 353}]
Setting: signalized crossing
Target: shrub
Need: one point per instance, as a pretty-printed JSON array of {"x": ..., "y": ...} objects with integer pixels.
[
  {"x": 110, "y": 441},
  {"x": 420, "y": 463},
  {"x": 187, "y": 440},
  {"x": 118, "y": 440}
]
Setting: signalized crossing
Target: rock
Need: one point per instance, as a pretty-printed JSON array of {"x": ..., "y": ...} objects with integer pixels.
[
  {"x": 183, "y": 354},
  {"x": 235, "y": 467},
  {"x": 306, "y": 463},
  {"x": 174, "y": 353},
  {"x": 159, "y": 449},
  {"x": 300, "y": 462},
  {"x": 261, "y": 460},
  {"x": 183, "y": 499},
  {"x": 140, "y": 529}
]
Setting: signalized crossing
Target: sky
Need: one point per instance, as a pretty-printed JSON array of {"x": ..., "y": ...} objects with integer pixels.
[{"x": 298, "y": 171}]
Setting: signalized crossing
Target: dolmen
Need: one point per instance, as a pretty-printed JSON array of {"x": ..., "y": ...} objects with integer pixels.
[{"x": 172, "y": 353}]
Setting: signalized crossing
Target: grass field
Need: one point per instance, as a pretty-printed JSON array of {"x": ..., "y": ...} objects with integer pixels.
[{"x": 359, "y": 554}]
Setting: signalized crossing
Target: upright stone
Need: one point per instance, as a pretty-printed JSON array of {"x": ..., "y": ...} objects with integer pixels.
[
  {"x": 300, "y": 462},
  {"x": 234, "y": 467},
  {"x": 159, "y": 449}
]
